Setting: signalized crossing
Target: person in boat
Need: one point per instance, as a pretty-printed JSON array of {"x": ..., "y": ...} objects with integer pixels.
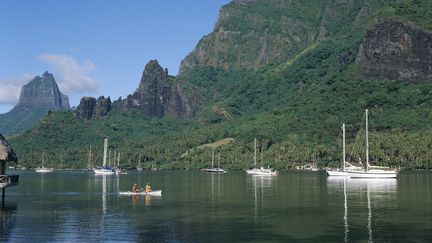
[
  {"x": 134, "y": 188},
  {"x": 148, "y": 188}
]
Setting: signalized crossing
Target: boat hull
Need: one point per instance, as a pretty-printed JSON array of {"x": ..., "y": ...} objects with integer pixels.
[
  {"x": 337, "y": 173},
  {"x": 216, "y": 170},
  {"x": 103, "y": 172},
  {"x": 44, "y": 170},
  {"x": 373, "y": 174},
  {"x": 152, "y": 193},
  {"x": 262, "y": 172}
]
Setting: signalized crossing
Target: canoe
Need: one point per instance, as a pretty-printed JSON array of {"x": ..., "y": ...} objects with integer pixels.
[{"x": 152, "y": 193}]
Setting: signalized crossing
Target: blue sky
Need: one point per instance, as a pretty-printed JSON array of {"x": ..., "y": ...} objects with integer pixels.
[{"x": 97, "y": 47}]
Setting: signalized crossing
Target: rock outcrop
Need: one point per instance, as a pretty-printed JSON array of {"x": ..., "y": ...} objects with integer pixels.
[
  {"x": 156, "y": 96},
  {"x": 42, "y": 92},
  {"x": 37, "y": 97},
  {"x": 90, "y": 107},
  {"x": 398, "y": 51}
]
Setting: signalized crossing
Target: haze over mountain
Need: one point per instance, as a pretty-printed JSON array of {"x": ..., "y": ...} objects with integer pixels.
[
  {"x": 288, "y": 72},
  {"x": 37, "y": 97}
]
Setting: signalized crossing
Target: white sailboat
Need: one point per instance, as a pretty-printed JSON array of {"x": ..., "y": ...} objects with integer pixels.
[
  {"x": 118, "y": 170},
  {"x": 139, "y": 168},
  {"x": 215, "y": 169},
  {"x": 373, "y": 171},
  {"x": 104, "y": 170},
  {"x": 43, "y": 169},
  {"x": 260, "y": 171},
  {"x": 344, "y": 168}
]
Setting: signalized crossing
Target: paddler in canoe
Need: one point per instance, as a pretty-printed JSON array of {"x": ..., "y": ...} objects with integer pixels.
[
  {"x": 134, "y": 188},
  {"x": 148, "y": 188}
]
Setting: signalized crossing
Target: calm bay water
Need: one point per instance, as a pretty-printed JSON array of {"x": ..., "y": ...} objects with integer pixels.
[{"x": 200, "y": 207}]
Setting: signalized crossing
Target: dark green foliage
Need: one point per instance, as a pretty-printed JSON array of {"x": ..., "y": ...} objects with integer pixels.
[{"x": 16, "y": 122}]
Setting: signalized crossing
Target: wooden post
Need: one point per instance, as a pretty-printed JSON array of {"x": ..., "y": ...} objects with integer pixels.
[{"x": 3, "y": 172}]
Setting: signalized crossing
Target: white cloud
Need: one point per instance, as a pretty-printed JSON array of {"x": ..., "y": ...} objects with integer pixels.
[
  {"x": 10, "y": 89},
  {"x": 71, "y": 75}
]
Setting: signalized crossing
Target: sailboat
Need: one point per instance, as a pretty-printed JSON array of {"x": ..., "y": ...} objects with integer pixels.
[
  {"x": 90, "y": 159},
  {"x": 104, "y": 170},
  {"x": 118, "y": 170},
  {"x": 345, "y": 168},
  {"x": 43, "y": 169},
  {"x": 373, "y": 171},
  {"x": 260, "y": 171},
  {"x": 217, "y": 169},
  {"x": 139, "y": 163},
  {"x": 154, "y": 167}
]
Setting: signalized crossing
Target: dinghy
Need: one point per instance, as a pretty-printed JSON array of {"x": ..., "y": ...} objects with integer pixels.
[{"x": 152, "y": 193}]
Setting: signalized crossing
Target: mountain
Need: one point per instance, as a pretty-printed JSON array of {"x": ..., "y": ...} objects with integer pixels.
[
  {"x": 287, "y": 72},
  {"x": 158, "y": 95},
  {"x": 253, "y": 34},
  {"x": 37, "y": 97}
]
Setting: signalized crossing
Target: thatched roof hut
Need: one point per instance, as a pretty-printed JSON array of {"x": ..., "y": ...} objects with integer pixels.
[{"x": 6, "y": 152}]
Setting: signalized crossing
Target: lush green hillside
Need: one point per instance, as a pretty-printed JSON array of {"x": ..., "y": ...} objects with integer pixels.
[
  {"x": 16, "y": 122},
  {"x": 295, "y": 107}
]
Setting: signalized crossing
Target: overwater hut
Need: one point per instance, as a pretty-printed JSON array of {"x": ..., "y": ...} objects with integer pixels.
[{"x": 6, "y": 155}]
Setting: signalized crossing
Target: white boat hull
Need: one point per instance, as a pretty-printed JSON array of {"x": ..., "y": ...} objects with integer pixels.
[
  {"x": 373, "y": 174},
  {"x": 337, "y": 173},
  {"x": 152, "y": 193},
  {"x": 216, "y": 170},
  {"x": 44, "y": 170},
  {"x": 262, "y": 172},
  {"x": 103, "y": 172}
]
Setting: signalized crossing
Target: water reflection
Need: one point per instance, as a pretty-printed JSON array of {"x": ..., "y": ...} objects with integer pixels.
[
  {"x": 215, "y": 184},
  {"x": 104, "y": 206},
  {"x": 42, "y": 184},
  {"x": 376, "y": 191},
  {"x": 261, "y": 185},
  {"x": 7, "y": 220}
]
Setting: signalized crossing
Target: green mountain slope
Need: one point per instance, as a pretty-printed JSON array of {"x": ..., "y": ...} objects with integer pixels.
[{"x": 294, "y": 104}]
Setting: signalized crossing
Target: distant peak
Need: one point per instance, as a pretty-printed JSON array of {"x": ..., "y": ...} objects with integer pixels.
[
  {"x": 48, "y": 75},
  {"x": 152, "y": 64}
]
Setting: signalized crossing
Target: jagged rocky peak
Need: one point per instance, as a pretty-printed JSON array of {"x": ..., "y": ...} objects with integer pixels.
[
  {"x": 42, "y": 92},
  {"x": 397, "y": 51},
  {"x": 90, "y": 107},
  {"x": 153, "y": 74},
  {"x": 156, "y": 96}
]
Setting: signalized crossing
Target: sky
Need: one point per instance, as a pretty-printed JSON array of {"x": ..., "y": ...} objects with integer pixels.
[{"x": 97, "y": 47}]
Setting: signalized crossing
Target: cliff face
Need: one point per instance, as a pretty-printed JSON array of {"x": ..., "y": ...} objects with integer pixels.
[
  {"x": 396, "y": 50},
  {"x": 42, "y": 92},
  {"x": 250, "y": 34},
  {"x": 90, "y": 107},
  {"x": 37, "y": 97},
  {"x": 156, "y": 96}
]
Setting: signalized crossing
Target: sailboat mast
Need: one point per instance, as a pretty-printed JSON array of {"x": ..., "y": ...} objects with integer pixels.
[
  {"x": 219, "y": 160},
  {"x": 255, "y": 151},
  {"x": 118, "y": 160},
  {"x": 367, "y": 142},
  {"x": 212, "y": 158},
  {"x": 43, "y": 158},
  {"x": 343, "y": 147},
  {"x": 89, "y": 157},
  {"x": 105, "y": 151}
]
